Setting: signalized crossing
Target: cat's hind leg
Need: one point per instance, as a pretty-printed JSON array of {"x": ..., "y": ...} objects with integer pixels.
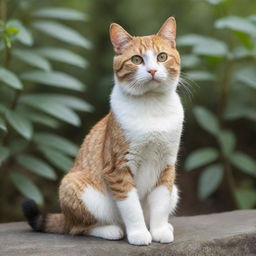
[
  {"x": 110, "y": 232},
  {"x": 88, "y": 207},
  {"x": 102, "y": 206}
]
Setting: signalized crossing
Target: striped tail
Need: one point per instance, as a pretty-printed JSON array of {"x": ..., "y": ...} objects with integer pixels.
[{"x": 43, "y": 222}]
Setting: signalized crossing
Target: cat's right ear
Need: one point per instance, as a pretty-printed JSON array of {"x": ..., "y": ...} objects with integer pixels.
[{"x": 119, "y": 37}]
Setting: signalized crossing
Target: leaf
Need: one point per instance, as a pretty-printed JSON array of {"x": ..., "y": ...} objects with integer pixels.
[
  {"x": 236, "y": 24},
  {"x": 41, "y": 118},
  {"x": 200, "y": 75},
  {"x": 206, "y": 120},
  {"x": 203, "y": 45},
  {"x": 27, "y": 187},
  {"x": 210, "y": 180},
  {"x": 244, "y": 163},
  {"x": 11, "y": 31},
  {"x": 68, "y": 101},
  {"x": 213, "y": 48},
  {"x": 24, "y": 36},
  {"x": 72, "y": 102},
  {"x": 53, "y": 78},
  {"x": 60, "y": 13},
  {"x": 56, "y": 142},
  {"x": 189, "y": 61},
  {"x": 201, "y": 157},
  {"x": 215, "y": 2},
  {"x": 241, "y": 104},
  {"x": 22, "y": 125},
  {"x": 63, "y": 55},
  {"x": 3, "y": 125},
  {"x": 32, "y": 58},
  {"x": 190, "y": 40},
  {"x": 252, "y": 18},
  {"x": 227, "y": 142},
  {"x": 58, "y": 159},
  {"x": 10, "y": 79},
  {"x": 36, "y": 166},
  {"x": 241, "y": 52},
  {"x": 4, "y": 154},
  {"x": 62, "y": 32},
  {"x": 247, "y": 76},
  {"x": 53, "y": 108},
  {"x": 246, "y": 198},
  {"x": 245, "y": 112}
]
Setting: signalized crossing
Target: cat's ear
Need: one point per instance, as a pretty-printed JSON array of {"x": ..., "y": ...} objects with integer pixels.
[
  {"x": 119, "y": 37},
  {"x": 168, "y": 30}
]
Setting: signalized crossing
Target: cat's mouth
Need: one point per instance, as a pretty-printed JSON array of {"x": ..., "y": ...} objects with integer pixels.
[{"x": 153, "y": 79}]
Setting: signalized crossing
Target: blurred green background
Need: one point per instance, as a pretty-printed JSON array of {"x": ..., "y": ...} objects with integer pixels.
[{"x": 56, "y": 77}]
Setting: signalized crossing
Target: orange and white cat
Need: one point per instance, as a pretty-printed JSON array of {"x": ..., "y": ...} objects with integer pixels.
[{"x": 122, "y": 181}]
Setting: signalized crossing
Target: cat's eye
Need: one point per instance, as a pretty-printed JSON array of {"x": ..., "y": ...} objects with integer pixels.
[
  {"x": 162, "y": 57},
  {"x": 136, "y": 59}
]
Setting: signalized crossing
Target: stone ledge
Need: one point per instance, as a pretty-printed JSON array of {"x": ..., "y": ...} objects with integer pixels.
[{"x": 230, "y": 233}]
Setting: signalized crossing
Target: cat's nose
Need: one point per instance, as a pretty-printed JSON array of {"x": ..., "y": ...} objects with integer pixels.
[{"x": 152, "y": 72}]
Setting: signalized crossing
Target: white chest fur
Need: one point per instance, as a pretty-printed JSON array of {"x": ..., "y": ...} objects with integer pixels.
[{"x": 152, "y": 124}]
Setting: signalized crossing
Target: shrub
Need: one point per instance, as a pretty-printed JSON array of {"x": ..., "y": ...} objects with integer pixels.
[{"x": 35, "y": 99}]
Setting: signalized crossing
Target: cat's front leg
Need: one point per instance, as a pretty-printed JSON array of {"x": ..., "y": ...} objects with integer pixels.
[
  {"x": 162, "y": 201},
  {"x": 121, "y": 184}
]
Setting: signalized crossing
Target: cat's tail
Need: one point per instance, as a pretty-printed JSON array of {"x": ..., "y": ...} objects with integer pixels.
[{"x": 43, "y": 222}]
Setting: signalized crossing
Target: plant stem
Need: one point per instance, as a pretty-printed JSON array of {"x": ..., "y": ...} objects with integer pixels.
[
  {"x": 231, "y": 180},
  {"x": 223, "y": 102},
  {"x": 224, "y": 90}
]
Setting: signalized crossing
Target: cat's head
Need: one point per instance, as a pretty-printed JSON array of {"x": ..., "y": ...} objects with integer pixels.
[{"x": 147, "y": 63}]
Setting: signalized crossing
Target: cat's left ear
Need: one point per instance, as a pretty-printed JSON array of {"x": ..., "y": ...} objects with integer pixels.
[
  {"x": 119, "y": 37},
  {"x": 168, "y": 30}
]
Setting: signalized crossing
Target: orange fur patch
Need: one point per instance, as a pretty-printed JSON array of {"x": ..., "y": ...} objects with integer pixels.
[{"x": 167, "y": 177}]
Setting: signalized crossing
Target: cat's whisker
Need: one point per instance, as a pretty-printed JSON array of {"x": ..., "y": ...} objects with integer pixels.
[{"x": 190, "y": 82}]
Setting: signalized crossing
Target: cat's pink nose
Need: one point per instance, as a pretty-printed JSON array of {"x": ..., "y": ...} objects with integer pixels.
[{"x": 152, "y": 72}]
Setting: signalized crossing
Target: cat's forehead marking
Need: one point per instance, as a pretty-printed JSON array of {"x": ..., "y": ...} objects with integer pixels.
[{"x": 152, "y": 42}]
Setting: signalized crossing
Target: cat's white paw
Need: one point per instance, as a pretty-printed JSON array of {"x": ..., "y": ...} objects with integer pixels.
[
  {"x": 110, "y": 232},
  {"x": 139, "y": 237},
  {"x": 114, "y": 233},
  {"x": 163, "y": 234}
]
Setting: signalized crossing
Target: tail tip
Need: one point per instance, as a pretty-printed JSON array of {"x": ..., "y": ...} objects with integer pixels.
[{"x": 32, "y": 214}]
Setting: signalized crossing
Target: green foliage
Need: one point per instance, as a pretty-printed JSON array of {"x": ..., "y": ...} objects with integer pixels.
[
  {"x": 10, "y": 79},
  {"x": 20, "y": 123},
  {"x": 27, "y": 187},
  {"x": 62, "y": 32},
  {"x": 227, "y": 142},
  {"x": 246, "y": 198},
  {"x": 201, "y": 157},
  {"x": 62, "y": 55},
  {"x": 227, "y": 62},
  {"x": 210, "y": 180},
  {"x": 207, "y": 120},
  {"x": 60, "y": 13},
  {"x": 56, "y": 158},
  {"x": 37, "y": 166},
  {"x": 244, "y": 163},
  {"x": 29, "y": 118},
  {"x": 4, "y": 154}
]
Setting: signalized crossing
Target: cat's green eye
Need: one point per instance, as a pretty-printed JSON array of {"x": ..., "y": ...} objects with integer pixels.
[
  {"x": 162, "y": 57},
  {"x": 136, "y": 59}
]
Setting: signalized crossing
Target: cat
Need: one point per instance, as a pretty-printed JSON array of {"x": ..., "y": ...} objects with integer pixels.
[{"x": 123, "y": 178}]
